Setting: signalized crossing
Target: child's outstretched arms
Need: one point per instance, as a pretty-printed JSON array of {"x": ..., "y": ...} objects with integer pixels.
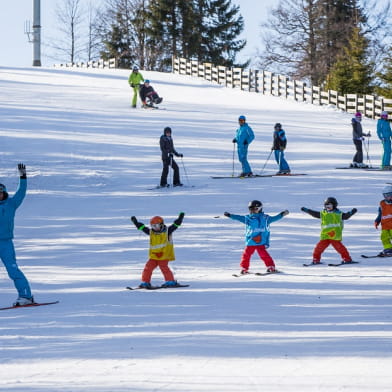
[
  {"x": 349, "y": 214},
  {"x": 179, "y": 220},
  {"x": 315, "y": 214},
  {"x": 139, "y": 225}
]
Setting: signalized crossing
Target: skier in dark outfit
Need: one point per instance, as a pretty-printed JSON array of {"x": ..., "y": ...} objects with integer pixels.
[
  {"x": 168, "y": 150},
  {"x": 358, "y": 137},
  {"x": 148, "y": 95}
]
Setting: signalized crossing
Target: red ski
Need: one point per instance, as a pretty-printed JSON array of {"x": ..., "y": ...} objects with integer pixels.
[{"x": 30, "y": 305}]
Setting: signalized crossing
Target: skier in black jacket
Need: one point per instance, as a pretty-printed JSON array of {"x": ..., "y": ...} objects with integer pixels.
[{"x": 168, "y": 150}]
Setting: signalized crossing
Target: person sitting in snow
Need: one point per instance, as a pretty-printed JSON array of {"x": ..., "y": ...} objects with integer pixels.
[
  {"x": 8, "y": 206},
  {"x": 148, "y": 95},
  {"x": 331, "y": 229},
  {"x": 161, "y": 249},
  {"x": 385, "y": 218},
  {"x": 257, "y": 234}
]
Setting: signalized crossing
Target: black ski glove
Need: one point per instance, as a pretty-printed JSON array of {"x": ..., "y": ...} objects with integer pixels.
[
  {"x": 180, "y": 218},
  {"x": 22, "y": 170},
  {"x": 284, "y": 213},
  {"x": 227, "y": 214},
  {"x": 136, "y": 223}
]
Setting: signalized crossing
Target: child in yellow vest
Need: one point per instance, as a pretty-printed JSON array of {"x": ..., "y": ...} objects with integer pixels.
[
  {"x": 385, "y": 218},
  {"x": 331, "y": 229},
  {"x": 161, "y": 249}
]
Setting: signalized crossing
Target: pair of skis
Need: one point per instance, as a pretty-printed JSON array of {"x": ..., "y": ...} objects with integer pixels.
[
  {"x": 157, "y": 287},
  {"x": 258, "y": 273},
  {"x": 33, "y": 305},
  {"x": 330, "y": 264},
  {"x": 261, "y": 175}
]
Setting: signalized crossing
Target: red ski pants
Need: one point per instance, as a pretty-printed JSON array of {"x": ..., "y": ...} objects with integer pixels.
[
  {"x": 151, "y": 265},
  {"x": 337, "y": 244},
  {"x": 248, "y": 252}
]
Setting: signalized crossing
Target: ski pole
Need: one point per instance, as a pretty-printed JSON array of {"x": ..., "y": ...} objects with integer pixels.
[
  {"x": 232, "y": 172},
  {"x": 170, "y": 167},
  {"x": 186, "y": 174},
  {"x": 265, "y": 164},
  {"x": 367, "y": 152}
]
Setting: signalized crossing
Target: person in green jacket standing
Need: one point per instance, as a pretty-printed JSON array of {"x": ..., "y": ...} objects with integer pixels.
[{"x": 134, "y": 80}]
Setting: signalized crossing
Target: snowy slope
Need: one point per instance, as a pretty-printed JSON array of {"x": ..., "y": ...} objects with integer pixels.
[{"x": 91, "y": 159}]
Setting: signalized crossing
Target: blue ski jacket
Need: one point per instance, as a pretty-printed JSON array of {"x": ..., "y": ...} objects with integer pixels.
[
  {"x": 257, "y": 229},
  {"x": 244, "y": 135},
  {"x": 8, "y": 207},
  {"x": 383, "y": 129}
]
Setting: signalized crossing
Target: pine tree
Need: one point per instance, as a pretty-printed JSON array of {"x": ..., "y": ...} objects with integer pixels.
[
  {"x": 352, "y": 73},
  {"x": 220, "y": 30},
  {"x": 385, "y": 76},
  {"x": 118, "y": 33}
]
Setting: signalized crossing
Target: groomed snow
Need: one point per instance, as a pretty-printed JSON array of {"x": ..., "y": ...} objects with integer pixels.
[{"x": 90, "y": 161}]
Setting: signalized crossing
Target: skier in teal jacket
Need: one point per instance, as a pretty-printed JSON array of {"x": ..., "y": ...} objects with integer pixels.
[
  {"x": 384, "y": 134},
  {"x": 8, "y": 206},
  {"x": 244, "y": 136}
]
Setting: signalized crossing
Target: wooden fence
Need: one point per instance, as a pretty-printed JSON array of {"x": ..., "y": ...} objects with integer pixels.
[
  {"x": 268, "y": 83},
  {"x": 111, "y": 63}
]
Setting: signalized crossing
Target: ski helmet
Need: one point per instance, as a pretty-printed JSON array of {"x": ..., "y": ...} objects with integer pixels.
[
  {"x": 147, "y": 81},
  {"x": 358, "y": 114},
  {"x": 387, "y": 191},
  {"x": 135, "y": 68},
  {"x": 331, "y": 200},
  {"x": 384, "y": 114},
  {"x": 278, "y": 126},
  {"x": 156, "y": 220},
  {"x": 241, "y": 118},
  {"x": 167, "y": 130},
  {"x": 3, "y": 188},
  {"x": 255, "y": 204}
]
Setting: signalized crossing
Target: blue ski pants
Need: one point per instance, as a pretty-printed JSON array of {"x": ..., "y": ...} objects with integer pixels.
[
  {"x": 386, "y": 156},
  {"x": 281, "y": 160},
  {"x": 243, "y": 158},
  {"x": 7, "y": 255}
]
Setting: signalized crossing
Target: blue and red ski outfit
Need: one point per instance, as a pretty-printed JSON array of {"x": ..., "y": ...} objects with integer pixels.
[{"x": 257, "y": 236}]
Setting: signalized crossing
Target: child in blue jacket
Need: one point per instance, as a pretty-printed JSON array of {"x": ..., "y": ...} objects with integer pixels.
[
  {"x": 257, "y": 234},
  {"x": 8, "y": 206}
]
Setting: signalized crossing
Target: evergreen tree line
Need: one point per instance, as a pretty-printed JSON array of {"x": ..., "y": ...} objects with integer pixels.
[
  {"x": 337, "y": 44},
  {"x": 148, "y": 33}
]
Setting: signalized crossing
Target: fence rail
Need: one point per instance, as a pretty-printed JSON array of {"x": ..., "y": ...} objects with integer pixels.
[
  {"x": 111, "y": 63},
  {"x": 268, "y": 83}
]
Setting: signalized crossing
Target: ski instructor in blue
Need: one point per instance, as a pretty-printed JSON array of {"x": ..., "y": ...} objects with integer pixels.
[
  {"x": 8, "y": 206},
  {"x": 244, "y": 136}
]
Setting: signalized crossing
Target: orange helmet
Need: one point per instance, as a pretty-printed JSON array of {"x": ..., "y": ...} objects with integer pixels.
[{"x": 156, "y": 220}]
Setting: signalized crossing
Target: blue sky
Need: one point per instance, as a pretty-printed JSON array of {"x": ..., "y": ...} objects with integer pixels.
[{"x": 15, "y": 50}]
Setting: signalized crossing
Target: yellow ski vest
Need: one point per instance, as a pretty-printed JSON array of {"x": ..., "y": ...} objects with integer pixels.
[
  {"x": 331, "y": 225},
  {"x": 161, "y": 246}
]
